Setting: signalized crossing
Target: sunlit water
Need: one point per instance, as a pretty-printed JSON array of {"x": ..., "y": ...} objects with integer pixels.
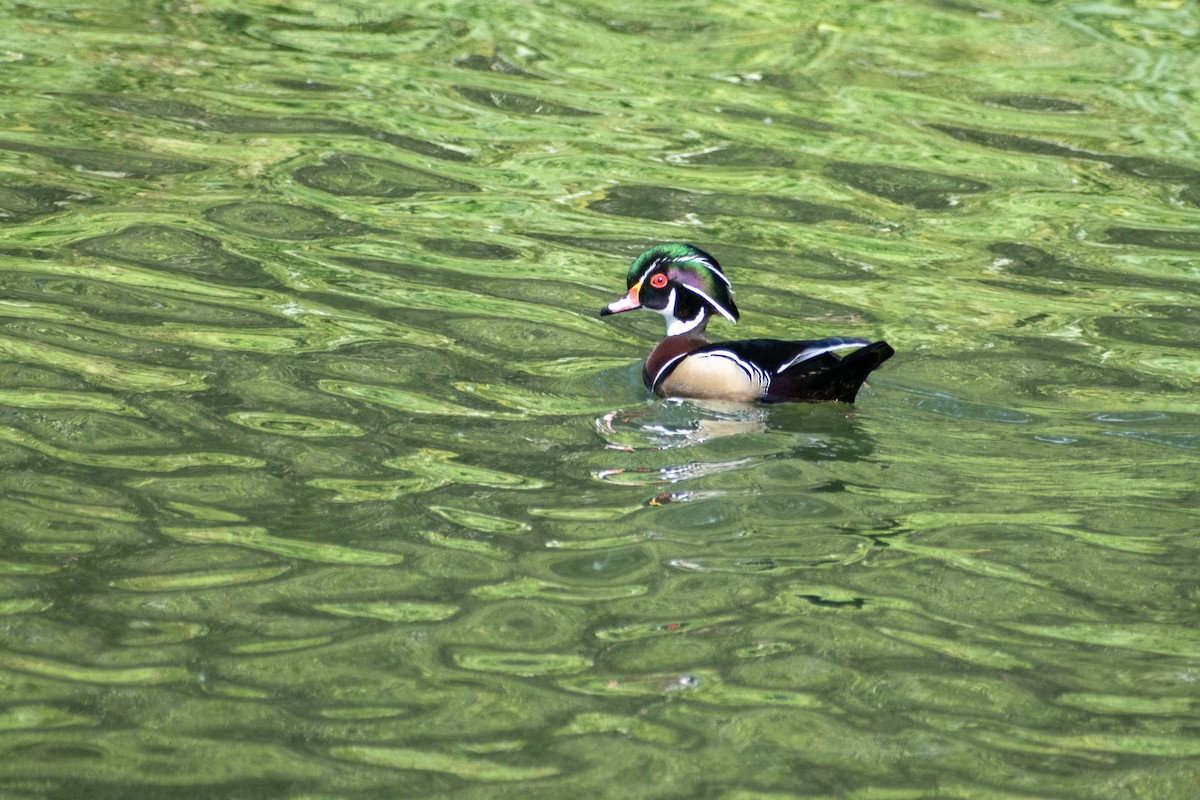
[{"x": 321, "y": 477}]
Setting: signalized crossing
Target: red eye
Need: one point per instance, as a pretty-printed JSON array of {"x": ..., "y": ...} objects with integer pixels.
[{"x": 658, "y": 280}]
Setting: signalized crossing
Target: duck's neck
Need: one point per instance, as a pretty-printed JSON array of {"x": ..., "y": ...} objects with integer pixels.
[{"x": 693, "y": 327}]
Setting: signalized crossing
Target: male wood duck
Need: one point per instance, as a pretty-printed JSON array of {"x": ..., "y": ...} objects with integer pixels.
[{"x": 686, "y": 285}]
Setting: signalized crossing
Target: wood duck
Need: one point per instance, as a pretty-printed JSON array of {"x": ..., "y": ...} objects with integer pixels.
[{"x": 686, "y": 285}]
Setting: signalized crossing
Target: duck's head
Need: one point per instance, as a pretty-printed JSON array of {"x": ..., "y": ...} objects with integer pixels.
[{"x": 681, "y": 282}]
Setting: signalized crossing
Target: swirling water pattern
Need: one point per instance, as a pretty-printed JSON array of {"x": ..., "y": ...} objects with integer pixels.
[{"x": 319, "y": 475}]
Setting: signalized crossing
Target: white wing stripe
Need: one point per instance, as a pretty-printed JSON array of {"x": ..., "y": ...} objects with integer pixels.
[{"x": 813, "y": 352}]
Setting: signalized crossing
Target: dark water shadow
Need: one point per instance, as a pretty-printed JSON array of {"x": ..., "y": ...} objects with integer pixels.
[
  {"x": 665, "y": 204},
  {"x": 913, "y": 187},
  {"x": 198, "y": 117},
  {"x": 172, "y": 249}
]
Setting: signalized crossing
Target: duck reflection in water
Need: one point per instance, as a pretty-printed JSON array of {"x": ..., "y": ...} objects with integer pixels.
[
  {"x": 692, "y": 431},
  {"x": 679, "y": 423}
]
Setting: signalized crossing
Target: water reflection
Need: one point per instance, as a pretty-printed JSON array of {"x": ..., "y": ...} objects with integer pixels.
[
  {"x": 694, "y": 430},
  {"x": 678, "y": 423}
]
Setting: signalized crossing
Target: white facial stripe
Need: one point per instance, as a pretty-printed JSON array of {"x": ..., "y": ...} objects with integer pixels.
[
  {"x": 718, "y": 273},
  {"x": 708, "y": 265},
  {"x": 714, "y": 303}
]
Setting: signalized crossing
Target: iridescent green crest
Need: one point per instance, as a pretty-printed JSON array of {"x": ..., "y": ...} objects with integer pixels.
[{"x": 691, "y": 268}]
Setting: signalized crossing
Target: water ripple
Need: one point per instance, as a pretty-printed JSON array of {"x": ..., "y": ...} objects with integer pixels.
[{"x": 317, "y": 463}]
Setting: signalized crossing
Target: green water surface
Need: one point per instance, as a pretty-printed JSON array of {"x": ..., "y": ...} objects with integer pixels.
[{"x": 320, "y": 476}]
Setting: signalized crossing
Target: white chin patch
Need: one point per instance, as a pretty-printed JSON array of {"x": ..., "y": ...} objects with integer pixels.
[{"x": 675, "y": 327}]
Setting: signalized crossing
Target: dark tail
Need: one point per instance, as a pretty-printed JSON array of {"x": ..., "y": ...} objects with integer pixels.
[
  {"x": 855, "y": 368},
  {"x": 827, "y": 377}
]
